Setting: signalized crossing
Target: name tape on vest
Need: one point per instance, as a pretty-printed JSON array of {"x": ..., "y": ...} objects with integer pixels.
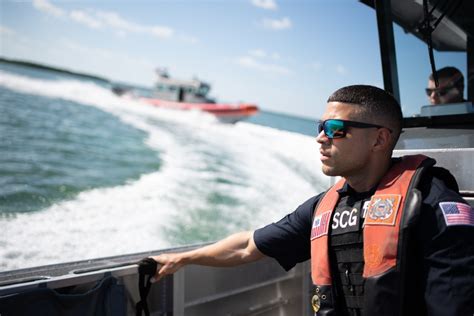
[{"x": 345, "y": 220}]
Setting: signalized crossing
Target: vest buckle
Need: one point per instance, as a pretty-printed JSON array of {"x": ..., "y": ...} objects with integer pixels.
[{"x": 316, "y": 303}]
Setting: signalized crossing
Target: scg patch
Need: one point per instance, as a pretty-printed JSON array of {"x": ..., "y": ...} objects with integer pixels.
[
  {"x": 345, "y": 220},
  {"x": 383, "y": 209}
]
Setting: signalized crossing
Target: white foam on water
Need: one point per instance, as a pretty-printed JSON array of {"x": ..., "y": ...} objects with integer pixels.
[{"x": 267, "y": 172}]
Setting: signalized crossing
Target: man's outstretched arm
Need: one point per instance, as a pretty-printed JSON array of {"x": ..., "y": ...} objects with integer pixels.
[{"x": 234, "y": 250}]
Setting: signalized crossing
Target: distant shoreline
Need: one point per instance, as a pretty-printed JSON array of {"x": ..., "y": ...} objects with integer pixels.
[{"x": 51, "y": 68}]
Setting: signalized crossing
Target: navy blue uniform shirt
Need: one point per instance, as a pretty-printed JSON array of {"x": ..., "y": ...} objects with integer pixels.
[{"x": 441, "y": 257}]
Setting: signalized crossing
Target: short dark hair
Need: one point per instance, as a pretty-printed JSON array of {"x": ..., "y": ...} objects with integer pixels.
[
  {"x": 373, "y": 103},
  {"x": 452, "y": 74}
]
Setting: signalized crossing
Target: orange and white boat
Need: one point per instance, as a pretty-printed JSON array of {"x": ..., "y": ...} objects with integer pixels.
[{"x": 193, "y": 95}]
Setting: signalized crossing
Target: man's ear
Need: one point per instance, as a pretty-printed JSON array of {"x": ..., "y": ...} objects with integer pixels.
[
  {"x": 460, "y": 91},
  {"x": 383, "y": 139}
]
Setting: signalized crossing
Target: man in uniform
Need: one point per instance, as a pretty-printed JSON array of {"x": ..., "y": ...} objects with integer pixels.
[
  {"x": 450, "y": 89},
  {"x": 392, "y": 237}
]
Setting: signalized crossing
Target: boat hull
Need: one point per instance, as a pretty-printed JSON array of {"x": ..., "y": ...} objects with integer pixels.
[{"x": 226, "y": 113}]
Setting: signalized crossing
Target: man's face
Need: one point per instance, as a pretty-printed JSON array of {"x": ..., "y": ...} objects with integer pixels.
[
  {"x": 350, "y": 155},
  {"x": 444, "y": 93}
]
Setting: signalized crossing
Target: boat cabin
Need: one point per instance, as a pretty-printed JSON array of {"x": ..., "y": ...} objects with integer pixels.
[{"x": 191, "y": 91}]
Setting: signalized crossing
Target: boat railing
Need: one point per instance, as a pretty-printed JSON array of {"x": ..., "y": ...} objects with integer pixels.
[{"x": 259, "y": 288}]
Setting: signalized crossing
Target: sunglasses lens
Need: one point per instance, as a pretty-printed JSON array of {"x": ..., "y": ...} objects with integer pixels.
[
  {"x": 442, "y": 93},
  {"x": 320, "y": 127},
  {"x": 334, "y": 129},
  {"x": 438, "y": 92}
]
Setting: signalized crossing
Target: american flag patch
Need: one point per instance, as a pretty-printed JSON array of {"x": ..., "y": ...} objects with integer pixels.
[
  {"x": 320, "y": 225},
  {"x": 456, "y": 213}
]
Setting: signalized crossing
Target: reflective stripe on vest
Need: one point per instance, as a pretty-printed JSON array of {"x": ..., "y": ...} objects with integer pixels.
[{"x": 381, "y": 227}]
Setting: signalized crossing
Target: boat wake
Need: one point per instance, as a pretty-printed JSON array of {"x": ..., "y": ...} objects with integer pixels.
[{"x": 214, "y": 179}]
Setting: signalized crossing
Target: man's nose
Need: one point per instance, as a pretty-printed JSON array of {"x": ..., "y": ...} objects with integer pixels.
[{"x": 322, "y": 138}]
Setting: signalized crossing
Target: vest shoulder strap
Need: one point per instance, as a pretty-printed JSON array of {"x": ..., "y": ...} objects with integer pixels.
[
  {"x": 446, "y": 176},
  {"x": 320, "y": 270}
]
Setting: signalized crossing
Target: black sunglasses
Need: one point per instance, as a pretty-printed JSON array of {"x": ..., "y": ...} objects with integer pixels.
[
  {"x": 334, "y": 128},
  {"x": 441, "y": 92}
]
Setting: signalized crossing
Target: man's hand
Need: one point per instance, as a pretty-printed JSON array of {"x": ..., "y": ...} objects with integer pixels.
[
  {"x": 234, "y": 250},
  {"x": 168, "y": 263}
]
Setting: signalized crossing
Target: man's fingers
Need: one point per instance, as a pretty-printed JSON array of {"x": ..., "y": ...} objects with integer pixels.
[
  {"x": 156, "y": 278},
  {"x": 158, "y": 274},
  {"x": 166, "y": 265}
]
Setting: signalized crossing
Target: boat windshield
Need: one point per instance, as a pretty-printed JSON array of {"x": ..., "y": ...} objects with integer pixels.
[
  {"x": 420, "y": 94},
  {"x": 417, "y": 96},
  {"x": 203, "y": 90}
]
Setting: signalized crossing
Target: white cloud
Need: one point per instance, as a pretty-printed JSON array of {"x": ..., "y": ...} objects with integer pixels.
[
  {"x": 275, "y": 24},
  {"x": 340, "y": 69},
  {"x": 6, "y": 31},
  {"x": 258, "y": 53},
  {"x": 114, "y": 20},
  {"x": 121, "y": 34},
  {"x": 105, "y": 54},
  {"x": 265, "y": 4},
  {"x": 98, "y": 19},
  {"x": 122, "y": 26},
  {"x": 133, "y": 68},
  {"x": 258, "y": 59},
  {"x": 84, "y": 18},
  {"x": 252, "y": 63},
  {"x": 161, "y": 31},
  {"x": 189, "y": 39},
  {"x": 49, "y": 8}
]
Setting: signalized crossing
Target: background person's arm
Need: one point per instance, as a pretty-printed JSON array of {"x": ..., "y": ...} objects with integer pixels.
[{"x": 234, "y": 250}]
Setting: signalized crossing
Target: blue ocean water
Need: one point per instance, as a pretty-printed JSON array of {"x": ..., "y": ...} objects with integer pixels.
[{"x": 87, "y": 174}]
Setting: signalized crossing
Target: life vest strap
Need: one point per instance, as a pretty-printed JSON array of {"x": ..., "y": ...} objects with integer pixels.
[
  {"x": 146, "y": 270},
  {"x": 351, "y": 278}
]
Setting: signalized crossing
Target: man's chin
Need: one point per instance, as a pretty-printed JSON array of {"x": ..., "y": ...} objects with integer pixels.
[{"x": 329, "y": 171}]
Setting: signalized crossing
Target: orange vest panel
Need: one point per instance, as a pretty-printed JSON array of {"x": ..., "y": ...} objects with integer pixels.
[{"x": 381, "y": 226}]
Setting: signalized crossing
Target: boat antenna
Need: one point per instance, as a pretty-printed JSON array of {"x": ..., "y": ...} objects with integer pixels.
[{"x": 427, "y": 29}]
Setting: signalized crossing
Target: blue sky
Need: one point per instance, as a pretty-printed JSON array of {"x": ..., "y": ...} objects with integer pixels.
[{"x": 285, "y": 56}]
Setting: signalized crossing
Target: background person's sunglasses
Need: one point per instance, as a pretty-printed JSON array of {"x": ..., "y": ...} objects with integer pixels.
[
  {"x": 441, "y": 92},
  {"x": 334, "y": 128}
]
